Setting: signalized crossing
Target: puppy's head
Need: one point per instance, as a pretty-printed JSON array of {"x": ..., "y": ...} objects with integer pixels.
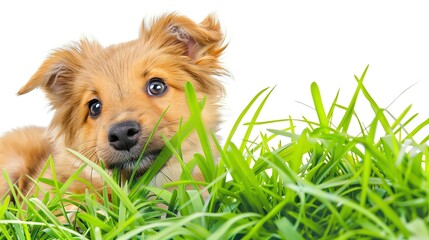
[{"x": 108, "y": 100}]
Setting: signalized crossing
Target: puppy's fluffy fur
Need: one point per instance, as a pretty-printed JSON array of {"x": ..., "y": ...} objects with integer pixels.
[{"x": 106, "y": 101}]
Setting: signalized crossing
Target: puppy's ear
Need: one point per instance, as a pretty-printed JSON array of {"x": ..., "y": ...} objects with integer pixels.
[
  {"x": 203, "y": 42},
  {"x": 56, "y": 74}
]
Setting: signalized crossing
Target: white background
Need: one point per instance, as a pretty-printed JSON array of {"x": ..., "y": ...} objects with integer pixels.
[{"x": 287, "y": 44}]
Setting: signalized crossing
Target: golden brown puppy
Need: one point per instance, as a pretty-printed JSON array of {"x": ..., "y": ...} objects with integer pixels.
[{"x": 108, "y": 100}]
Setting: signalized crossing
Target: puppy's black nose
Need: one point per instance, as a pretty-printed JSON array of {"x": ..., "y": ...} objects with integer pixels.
[{"x": 124, "y": 135}]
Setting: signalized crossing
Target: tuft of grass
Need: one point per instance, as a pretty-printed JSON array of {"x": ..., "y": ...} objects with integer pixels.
[{"x": 311, "y": 179}]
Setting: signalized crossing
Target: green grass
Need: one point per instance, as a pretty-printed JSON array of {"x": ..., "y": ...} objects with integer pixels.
[{"x": 311, "y": 179}]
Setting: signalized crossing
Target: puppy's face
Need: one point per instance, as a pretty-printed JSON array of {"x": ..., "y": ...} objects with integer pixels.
[{"x": 107, "y": 101}]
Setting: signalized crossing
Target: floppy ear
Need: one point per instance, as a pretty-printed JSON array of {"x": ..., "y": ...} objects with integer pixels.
[
  {"x": 56, "y": 74},
  {"x": 200, "y": 42}
]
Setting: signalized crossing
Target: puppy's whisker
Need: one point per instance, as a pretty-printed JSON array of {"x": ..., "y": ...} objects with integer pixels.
[
  {"x": 165, "y": 176},
  {"x": 88, "y": 141}
]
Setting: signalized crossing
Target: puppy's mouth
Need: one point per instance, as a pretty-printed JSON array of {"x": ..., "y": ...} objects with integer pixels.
[{"x": 128, "y": 162}]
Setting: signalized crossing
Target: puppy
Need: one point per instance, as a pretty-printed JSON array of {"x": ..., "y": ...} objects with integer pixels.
[{"x": 106, "y": 102}]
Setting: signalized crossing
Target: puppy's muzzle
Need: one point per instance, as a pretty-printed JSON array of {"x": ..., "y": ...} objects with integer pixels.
[{"x": 125, "y": 135}]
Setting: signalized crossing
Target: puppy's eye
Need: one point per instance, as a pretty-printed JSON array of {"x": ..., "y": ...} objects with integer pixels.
[
  {"x": 94, "y": 108},
  {"x": 156, "y": 87}
]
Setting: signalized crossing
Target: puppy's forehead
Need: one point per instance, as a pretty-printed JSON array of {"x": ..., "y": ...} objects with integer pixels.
[
  {"x": 132, "y": 59},
  {"x": 117, "y": 61}
]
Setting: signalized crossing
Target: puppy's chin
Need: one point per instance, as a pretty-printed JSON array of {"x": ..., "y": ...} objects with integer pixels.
[{"x": 131, "y": 161}]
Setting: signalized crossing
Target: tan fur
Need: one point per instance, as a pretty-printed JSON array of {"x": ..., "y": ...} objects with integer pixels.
[{"x": 172, "y": 47}]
